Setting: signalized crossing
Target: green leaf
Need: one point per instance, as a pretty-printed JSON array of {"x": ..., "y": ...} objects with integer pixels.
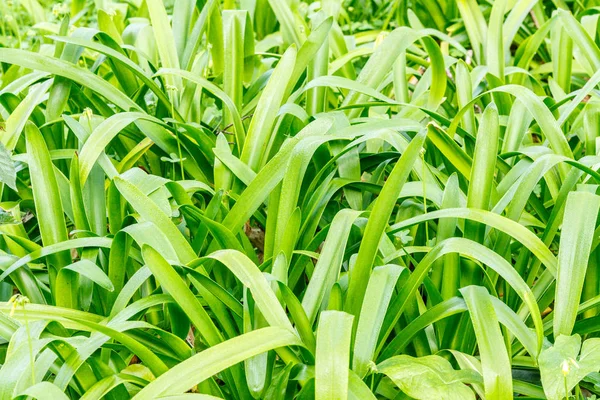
[
  {"x": 269, "y": 176},
  {"x": 165, "y": 42},
  {"x": 563, "y": 365},
  {"x": 429, "y": 377},
  {"x": 8, "y": 173},
  {"x": 377, "y": 298},
  {"x": 203, "y": 365},
  {"x": 333, "y": 355},
  {"x": 151, "y": 212},
  {"x": 260, "y": 129},
  {"x": 39, "y": 62},
  {"x": 48, "y": 206},
  {"x": 251, "y": 277},
  {"x": 44, "y": 390},
  {"x": 176, "y": 287},
  {"x": 327, "y": 270},
  {"x": 89, "y": 270},
  {"x": 100, "y": 138},
  {"x": 497, "y": 376},
  {"x": 378, "y": 221},
  {"x": 579, "y": 223},
  {"x": 18, "y": 118}
]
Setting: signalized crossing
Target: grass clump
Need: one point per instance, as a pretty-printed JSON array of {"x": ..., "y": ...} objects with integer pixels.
[{"x": 280, "y": 199}]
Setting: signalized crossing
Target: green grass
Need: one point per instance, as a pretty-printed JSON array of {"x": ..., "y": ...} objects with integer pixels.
[{"x": 273, "y": 199}]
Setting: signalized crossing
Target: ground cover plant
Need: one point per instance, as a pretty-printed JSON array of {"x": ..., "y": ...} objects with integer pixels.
[{"x": 277, "y": 199}]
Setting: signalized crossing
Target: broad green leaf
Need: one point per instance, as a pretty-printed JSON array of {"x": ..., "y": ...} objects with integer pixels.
[
  {"x": 566, "y": 363},
  {"x": 48, "y": 207},
  {"x": 579, "y": 223},
  {"x": 425, "y": 378},
  {"x": 333, "y": 355}
]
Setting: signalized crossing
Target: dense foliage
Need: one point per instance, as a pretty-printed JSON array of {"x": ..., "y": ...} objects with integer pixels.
[{"x": 277, "y": 199}]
